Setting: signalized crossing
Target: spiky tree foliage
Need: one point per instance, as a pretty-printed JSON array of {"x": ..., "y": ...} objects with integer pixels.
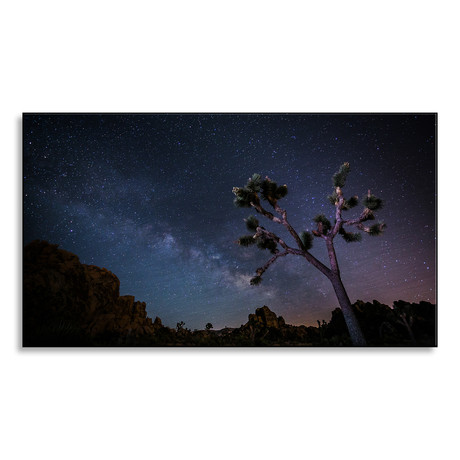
[
  {"x": 307, "y": 240},
  {"x": 244, "y": 197},
  {"x": 252, "y": 223},
  {"x": 254, "y": 183},
  {"x": 258, "y": 190},
  {"x": 350, "y": 237},
  {"x": 246, "y": 240},
  {"x": 256, "y": 280},
  {"x": 323, "y": 225},
  {"x": 340, "y": 177},
  {"x": 350, "y": 203},
  {"x": 372, "y": 202},
  {"x": 281, "y": 192},
  {"x": 267, "y": 243},
  {"x": 376, "y": 229}
]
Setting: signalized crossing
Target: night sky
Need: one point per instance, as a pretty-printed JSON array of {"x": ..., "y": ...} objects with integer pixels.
[{"x": 149, "y": 197}]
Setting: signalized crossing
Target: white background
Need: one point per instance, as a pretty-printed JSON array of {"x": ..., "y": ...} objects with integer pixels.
[{"x": 229, "y": 56}]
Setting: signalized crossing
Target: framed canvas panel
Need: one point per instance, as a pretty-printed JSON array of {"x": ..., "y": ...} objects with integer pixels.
[{"x": 229, "y": 230}]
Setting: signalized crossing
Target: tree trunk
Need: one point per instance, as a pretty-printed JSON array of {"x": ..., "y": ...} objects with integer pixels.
[
  {"x": 356, "y": 335},
  {"x": 354, "y": 329}
]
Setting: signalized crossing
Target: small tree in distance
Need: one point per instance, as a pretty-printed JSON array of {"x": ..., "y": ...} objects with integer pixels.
[
  {"x": 256, "y": 189},
  {"x": 208, "y": 326}
]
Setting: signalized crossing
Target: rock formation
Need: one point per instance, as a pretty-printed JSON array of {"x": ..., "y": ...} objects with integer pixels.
[
  {"x": 265, "y": 328},
  {"x": 69, "y": 302},
  {"x": 264, "y": 317}
]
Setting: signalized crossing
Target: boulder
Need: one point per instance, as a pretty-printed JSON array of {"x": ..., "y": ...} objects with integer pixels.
[{"x": 264, "y": 317}]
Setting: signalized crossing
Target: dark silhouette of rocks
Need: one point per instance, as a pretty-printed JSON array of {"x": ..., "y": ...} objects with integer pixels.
[
  {"x": 404, "y": 325},
  {"x": 266, "y": 318},
  {"x": 69, "y": 303},
  {"x": 157, "y": 323},
  {"x": 265, "y": 328}
]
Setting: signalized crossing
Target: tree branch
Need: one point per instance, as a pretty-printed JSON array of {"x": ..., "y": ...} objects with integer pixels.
[
  {"x": 260, "y": 271},
  {"x": 294, "y": 234},
  {"x": 298, "y": 252},
  {"x": 369, "y": 230},
  {"x": 282, "y": 221},
  {"x": 358, "y": 222},
  {"x": 317, "y": 264},
  {"x": 338, "y": 213},
  {"x": 318, "y": 233},
  {"x": 332, "y": 256},
  {"x": 288, "y": 226},
  {"x": 265, "y": 213},
  {"x": 280, "y": 211},
  {"x": 365, "y": 215}
]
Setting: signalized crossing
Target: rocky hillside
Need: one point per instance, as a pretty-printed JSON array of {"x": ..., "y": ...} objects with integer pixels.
[
  {"x": 69, "y": 303},
  {"x": 264, "y": 328}
]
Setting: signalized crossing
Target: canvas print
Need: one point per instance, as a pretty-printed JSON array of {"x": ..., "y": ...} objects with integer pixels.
[{"x": 229, "y": 230}]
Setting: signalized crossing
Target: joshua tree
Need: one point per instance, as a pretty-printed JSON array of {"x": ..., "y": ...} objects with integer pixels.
[
  {"x": 257, "y": 188},
  {"x": 405, "y": 314}
]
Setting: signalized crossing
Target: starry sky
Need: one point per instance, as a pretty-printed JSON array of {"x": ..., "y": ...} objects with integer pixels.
[{"x": 149, "y": 197}]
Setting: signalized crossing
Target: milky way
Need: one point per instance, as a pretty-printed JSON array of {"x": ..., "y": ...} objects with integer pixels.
[{"x": 149, "y": 197}]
